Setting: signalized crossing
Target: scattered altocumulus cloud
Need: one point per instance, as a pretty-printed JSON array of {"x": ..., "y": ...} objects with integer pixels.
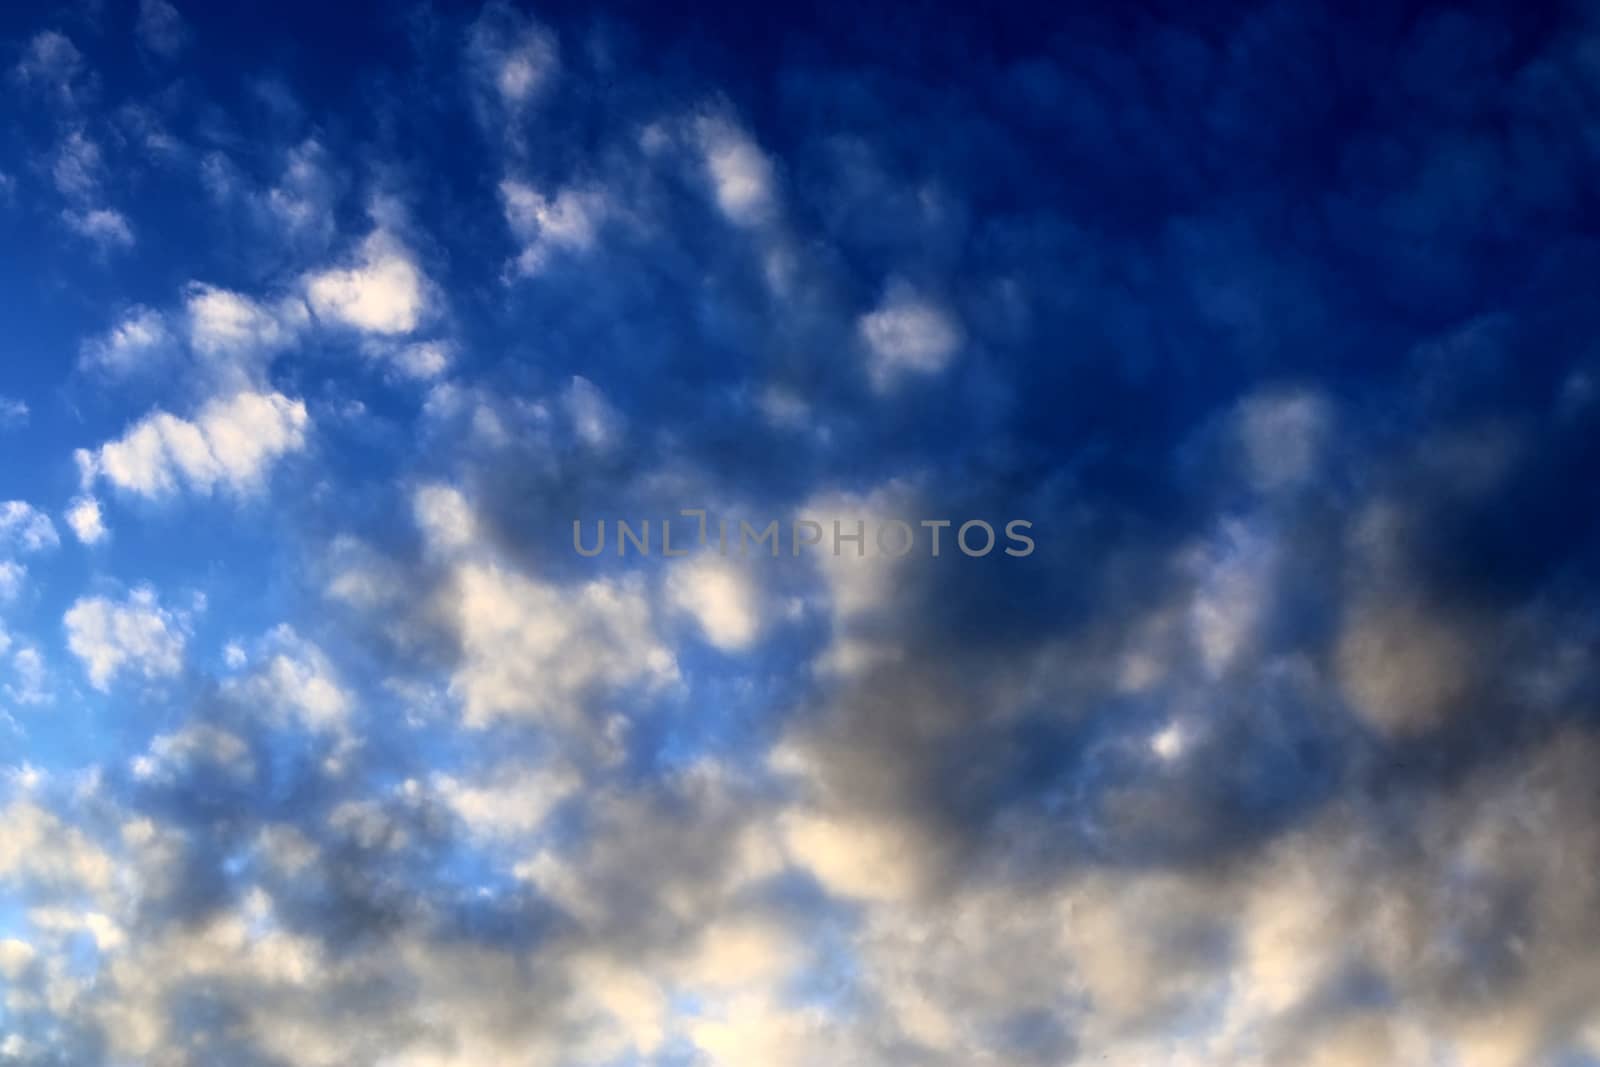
[
  {"x": 230, "y": 444},
  {"x": 137, "y": 340},
  {"x": 741, "y": 174},
  {"x": 907, "y": 336},
  {"x": 386, "y": 293},
  {"x": 134, "y": 635},
  {"x": 85, "y": 519},
  {"x": 161, "y": 29},
  {"x": 25, "y": 528}
]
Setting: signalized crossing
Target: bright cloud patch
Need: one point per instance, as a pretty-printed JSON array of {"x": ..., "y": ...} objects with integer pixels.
[
  {"x": 86, "y": 521},
  {"x": 741, "y": 175},
  {"x": 130, "y": 345},
  {"x": 25, "y": 528},
  {"x": 131, "y": 636},
  {"x": 720, "y": 597},
  {"x": 907, "y": 336},
  {"x": 567, "y": 221},
  {"x": 385, "y": 294},
  {"x": 231, "y": 444}
]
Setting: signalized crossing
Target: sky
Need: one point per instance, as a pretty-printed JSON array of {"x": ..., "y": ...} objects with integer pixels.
[{"x": 1267, "y": 737}]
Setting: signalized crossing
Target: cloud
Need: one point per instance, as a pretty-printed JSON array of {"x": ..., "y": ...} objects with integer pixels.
[
  {"x": 51, "y": 61},
  {"x": 13, "y": 413},
  {"x": 77, "y": 169},
  {"x": 419, "y": 361},
  {"x": 385, "y": 294},
  {"x": 231, "y": 444},
  {"x": 161, "y": 29},
  {"x": 720, "y": 597},
  {"x": 907, "y": 336},
  {"x": 106, "y": 227},
  {"x": 531, "y": 648},
  {"x": 228, "y": 324},
  {"x": 12, "y": 575},
  {"x": 295, "y": 680},
  {"x": 135, "y": 635},
  {"x": 594, "y": 420},
  {"x": 25, "y": 528},
  {"x": 87, "y": 523},
  {"x": 1284, "y": 434},
  {"x": 135, "y": 343},
  {"x": 512, "y": 58},
  {"x": 569, "y": 221},
  {"x": 741, "y": 175}
]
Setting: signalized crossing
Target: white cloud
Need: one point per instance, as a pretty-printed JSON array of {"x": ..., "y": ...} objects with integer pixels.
[
  {"x": 721, "y": 598},
  {"x": 512, "y": 56},
  {"x": 104, "y": 226},
  {"x": 296, "y": 680},
  {"x": 77, "y": 167},
  {"x": 230, "y": 444},
  {"x": 594, "y": 420},
  {"x": 194, "y": 743},
  {"x": 531, "y": 649},
  {"x": 511, "y": 802},
  {"x": 161, "y": 29},
  {"x": 135, "y": 635},
  {"x": 225, "y": 323},
  {"x": 444, "y": 517},
  {"x": 25, "y": 527},
  {"x": 51, "y": 61},
  {"x": 13, "y": 413},
  {"x": 385, "y": 294},
  {"x": 741, "y": 175},
  {"x": 135, "y": 342},
  {"x": 31, "y": 677},
  {"x": 12, "y": 575},
  {"x": 83, "y": 516},
  {"x": 907, "y": 335},
  {"x": 1283, "y": 433},
  {"x": 419, "y": 361},
  {"x": 545, "y": 225}
]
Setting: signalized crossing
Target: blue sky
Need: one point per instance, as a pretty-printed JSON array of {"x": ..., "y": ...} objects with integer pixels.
[{"x": 320, "y": 744}]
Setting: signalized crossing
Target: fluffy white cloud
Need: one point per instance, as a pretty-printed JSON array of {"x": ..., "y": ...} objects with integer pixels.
[
  {"x": 907, "y": 335},
  {"x": 295, "y": 679},
  {"x": 508, "y": 803},
  {"x": 104, "y": 226},
  {"x": 385, "y": 293},
  {"x": 223, "y": 323},
  {"x": 26, "y": 528},
  {"x": 421, "y": 360},
  {"x": 530, "y": 648},
  {"x": 511, "y": 56},
  {"x": 741, "y": 175},
  {"x": 88, "y": 525},
  {"x": 132, "y": 344},
  {"x": 230, "y": 444},
  {"x": 544, "y": 225},
  {"x": 537, "y": 650},
  {"x": 136, "y": 635},
  {"x": 721, "y": 598}
]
